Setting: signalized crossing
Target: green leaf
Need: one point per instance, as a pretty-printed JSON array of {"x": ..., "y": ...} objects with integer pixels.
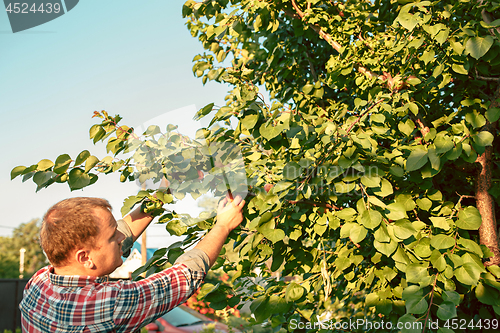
[
  {"x": 491, "y": 25},
  {"x": 17, "y": 171},
  {"x": 204, "y": 111},
  {"x": 370, "y": 181},
  {"x": 173, "y": 254},
  {"x": 413, "y": 108},
  {"x": 438, "y": 261},
  {"x": 266, "y": 217},
  {"x": 443, "y": 144},
  {"x": 406, "y": 127},
  {"x": 270, "y": 131},
  {"x": 152, "y": 130},
  {"x": 475, "y": 119},
  {"x": 424, "y": 204},
  {"x": 416, "y": 305},
  {"x": 370, "y": 219},
  {"x": 446, "y": 311},
  {"x": 435, "y": 195},
  {"x": 176, "y": 228},
  {"x": 403, "y": 229},
  {"x": 468, "y": 274},
  {"x": 471, "y": 246},
  {"x": 78, "y": 179},
  {"x": 306, "y": 89},
  {"x": 250, "y": 120},
  {"x": 357, "y": 233},
  {"x": 469, "y": 218},
  {"x": 422, "y": 248},
  {"x": 483, "y": 138},
  {"x": 44, "y": 165},
  {"x": 376, "y": 201},
  {"x": 478, "y": 46},
  {"x": 428, "y": 56},
  {"x": 384, "y": 190},
  {"x": 90, "y": 163},
  {"x": 442, "y": 241},
  {"x": 82, "y": 157},
  {"x": 459, "y": 69},
  {"x": 281, "y": 186},
  {"x": 62, "y": 163},
  {"x": 407, "y": 20},
  {"x": 381, "y": 234},
  {"x": 295, "y": 234},
  {"x": 292, "y": 170},
  {"x": 451, "y": 296},
  {"x": 274, "y": 235},
  {"x": 416, "y": 272},
  {"x": 487, "y": 295},
  {"x": 440, "y": 222},
  {"x": 416, "y": 160},
  {"x": 41, "y": 177},
  {"x": 371, "y": 300},
  {"x": 397, "y": 211},
  {"x": 342, "y": 187},
  {"x": 408, "y": 324},
  {"x": 495, "y": 270},
  {"x": 294, "y": 292},
  {"x": 493, "y": 114},
  {"x": 277, "y": 304},
  {"x": 206, "y": 289},
  {"x": 385, "y": 248},
  {"x": 346, "y": 214}
]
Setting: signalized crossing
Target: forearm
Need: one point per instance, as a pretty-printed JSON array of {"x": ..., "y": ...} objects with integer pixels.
[
  {"x": 213, "y": 242},
  {"x": 137, "y": 221}
]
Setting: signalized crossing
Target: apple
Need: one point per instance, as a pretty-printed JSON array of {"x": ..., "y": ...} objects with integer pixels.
[{"x": 268, "y": 187}]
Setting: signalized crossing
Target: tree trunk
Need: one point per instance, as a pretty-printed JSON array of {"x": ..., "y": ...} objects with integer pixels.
[
  {"x": 486, "y": 206},
  {"x": 485, "y": 203}
]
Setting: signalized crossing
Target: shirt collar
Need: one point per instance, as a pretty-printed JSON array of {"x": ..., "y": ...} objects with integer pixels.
[{"x": 74, "y": 280}]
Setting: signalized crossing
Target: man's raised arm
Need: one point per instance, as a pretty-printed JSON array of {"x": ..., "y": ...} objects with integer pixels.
[{"x": 229, "y": 216}]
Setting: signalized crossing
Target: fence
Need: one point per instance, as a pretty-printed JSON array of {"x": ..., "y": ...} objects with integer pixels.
[{"x": 11, "y": 293}]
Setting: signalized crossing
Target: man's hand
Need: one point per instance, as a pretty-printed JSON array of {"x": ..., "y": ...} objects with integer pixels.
[{"x": 229, "y": 216}]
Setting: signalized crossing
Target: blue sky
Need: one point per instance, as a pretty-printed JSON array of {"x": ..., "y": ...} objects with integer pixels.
[{"x": 131, "y": 58}]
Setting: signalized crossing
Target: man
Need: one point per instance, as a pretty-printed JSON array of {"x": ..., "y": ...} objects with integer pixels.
[{"x": 83, "y": 243}]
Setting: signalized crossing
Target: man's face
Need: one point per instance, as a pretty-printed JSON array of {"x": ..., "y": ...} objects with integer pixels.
[{"x": 106, "y": 255}]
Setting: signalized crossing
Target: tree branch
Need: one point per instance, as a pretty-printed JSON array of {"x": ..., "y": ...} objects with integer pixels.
[
  {"x": 299, "y": 14},
  {"x": 424, "y": 129},
  {"x": 487, "y": 17},
  {"x": 485, "y": 203},
  {"x": 316, "y": 28},
  {"x": 315, "y": 204}
]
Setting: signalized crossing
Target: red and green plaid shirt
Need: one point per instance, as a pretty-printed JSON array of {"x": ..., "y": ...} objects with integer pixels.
[{"x": 57, "y": 303}]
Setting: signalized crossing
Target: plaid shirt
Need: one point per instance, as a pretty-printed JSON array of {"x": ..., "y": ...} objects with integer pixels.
[{"x": 57, "y": 303}]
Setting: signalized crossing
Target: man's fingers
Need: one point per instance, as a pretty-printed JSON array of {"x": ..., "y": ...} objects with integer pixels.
[
  {"x": 241, "y": 204},
  {"x": 237, "y": 200},
  {"x": 222, "y": 203}
]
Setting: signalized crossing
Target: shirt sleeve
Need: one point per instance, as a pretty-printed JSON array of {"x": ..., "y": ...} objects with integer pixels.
[
  {"x": 197, "y": 260},
  {"x": 139, "y": 303},
  {"x": 128, "y": 242}
]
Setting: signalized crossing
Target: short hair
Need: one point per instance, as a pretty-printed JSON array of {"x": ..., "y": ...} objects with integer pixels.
[{"x": 68, "y": 225}]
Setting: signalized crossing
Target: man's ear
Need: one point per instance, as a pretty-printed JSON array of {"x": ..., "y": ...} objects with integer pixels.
[{"x": 82, "y": 257}]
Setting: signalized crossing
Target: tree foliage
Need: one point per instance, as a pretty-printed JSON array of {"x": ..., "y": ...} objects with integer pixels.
[
  {"x": 25, "y": 236},
  {"x": 370, "y": 174}
]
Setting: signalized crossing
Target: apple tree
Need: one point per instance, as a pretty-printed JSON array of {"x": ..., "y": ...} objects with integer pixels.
[
  {"x": 369, "y": 175},
  {"x": 380, "y": 143}
]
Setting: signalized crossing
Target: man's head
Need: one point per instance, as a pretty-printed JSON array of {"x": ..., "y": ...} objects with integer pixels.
[{"x": 81, "y": 234}]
